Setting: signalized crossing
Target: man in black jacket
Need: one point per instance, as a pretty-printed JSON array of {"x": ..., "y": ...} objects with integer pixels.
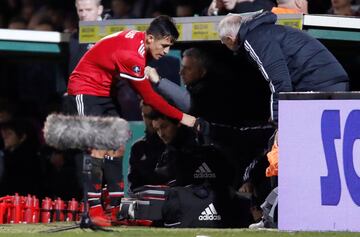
[
  {"x": 185, "y": 162},
  {"x": 289, "y": 59},
  {"x": 206, "y": 94},
  {"x": 145, "y": 154}
]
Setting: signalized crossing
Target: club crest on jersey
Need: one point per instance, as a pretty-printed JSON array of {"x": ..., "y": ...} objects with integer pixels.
[{"x": 136, "y": 69}]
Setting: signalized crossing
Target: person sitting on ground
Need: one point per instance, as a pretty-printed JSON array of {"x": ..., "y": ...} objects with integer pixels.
[
  {"x": 145, "y": 154},
  {"x": 185, "y": 162}
]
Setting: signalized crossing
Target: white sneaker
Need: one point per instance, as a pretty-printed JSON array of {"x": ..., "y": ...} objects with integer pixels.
[{"x": 258, "y": 225}]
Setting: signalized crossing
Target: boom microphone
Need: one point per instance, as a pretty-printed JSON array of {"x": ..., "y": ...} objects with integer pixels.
[{"x": 84, "y": 132}]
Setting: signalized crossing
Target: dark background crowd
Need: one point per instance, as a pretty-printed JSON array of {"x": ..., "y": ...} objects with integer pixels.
[
  {"x": 61, "y": 15},
  {"x": 31, "y": 87}
]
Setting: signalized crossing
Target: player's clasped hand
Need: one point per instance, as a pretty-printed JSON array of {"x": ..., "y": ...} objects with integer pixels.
[
  {"x": 152, "y": 74},
  {"x": 202, "y": 130}
]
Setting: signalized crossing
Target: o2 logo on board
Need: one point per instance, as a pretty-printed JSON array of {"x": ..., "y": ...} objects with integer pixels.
[{"x": 330, "y": 130}]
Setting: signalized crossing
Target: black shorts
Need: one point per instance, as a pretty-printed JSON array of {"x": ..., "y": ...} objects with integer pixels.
[{"x": 89, "y": 105}]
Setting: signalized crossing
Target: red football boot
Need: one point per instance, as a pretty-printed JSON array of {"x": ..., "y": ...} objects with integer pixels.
[
  {"x": 114, "y": 217},
  {"x": 98, "y": 217}
]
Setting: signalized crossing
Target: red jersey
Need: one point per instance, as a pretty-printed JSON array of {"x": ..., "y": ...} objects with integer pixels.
[{"x": 120, "y": 54}]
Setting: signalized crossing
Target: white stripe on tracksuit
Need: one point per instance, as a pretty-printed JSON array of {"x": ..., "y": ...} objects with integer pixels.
[
  {"x": 80, "y": 104},
  {"x": 116, "y": 194},
  {"x": 127, "y": 76},
  {"x": 263, "y": 72},
  {"x": 94, "y": 194}
]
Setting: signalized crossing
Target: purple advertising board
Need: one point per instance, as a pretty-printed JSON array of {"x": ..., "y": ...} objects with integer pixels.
[{"x": 319, "y": 165}]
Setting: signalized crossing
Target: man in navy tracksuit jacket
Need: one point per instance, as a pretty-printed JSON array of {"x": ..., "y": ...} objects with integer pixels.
[{"x": 289, "y": 59}]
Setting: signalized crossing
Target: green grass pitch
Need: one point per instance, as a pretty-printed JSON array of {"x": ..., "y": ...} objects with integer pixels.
[{"x": 39, "y": 230}]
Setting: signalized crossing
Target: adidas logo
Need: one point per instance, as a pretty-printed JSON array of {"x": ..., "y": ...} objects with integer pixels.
[
  {"x": 204, "y": 172},
  {"x": 210, "y": 214}
]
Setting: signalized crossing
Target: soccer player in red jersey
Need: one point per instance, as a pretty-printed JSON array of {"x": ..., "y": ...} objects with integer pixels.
[
  {"x": 123, "y": 55},
  {"x": 120, "y": 56}
]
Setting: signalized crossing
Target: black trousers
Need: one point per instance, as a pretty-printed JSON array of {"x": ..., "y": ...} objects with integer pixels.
[{"x": 104, "y": 171}]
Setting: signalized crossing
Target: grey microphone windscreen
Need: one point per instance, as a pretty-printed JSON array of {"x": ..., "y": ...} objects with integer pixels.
[{"x": 84, "y": 132}]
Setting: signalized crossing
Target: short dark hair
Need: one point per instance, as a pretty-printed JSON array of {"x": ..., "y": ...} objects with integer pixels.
[
  {"x": 156, "y": 115},
  {"x": 163, "y": 26}
]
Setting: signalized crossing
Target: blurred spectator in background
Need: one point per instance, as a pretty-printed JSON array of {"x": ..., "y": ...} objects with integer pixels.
[
  {"x": 343, "y": 8},
  {"x": 60, "y": 174},
  {"x": 87, "y": 10},
  {"x": 223, "y": 7},
  {"x": 8, "y": 9},
  {"x": 1, "y": 164},
  {"x": 40, "y": 77},
  {"x": 184, "y": 8},
  {"x": 51, "y": 16},
  {"x": 22, "y": 170},
  {"x": 17, "y": 23},
  {"x": 149, "y": 9},
  {"x": 121, "y": 9},
  {"x": 50, "y": 13},
  {"x": 7, "y": 110},
  {"x": 318, "y": 6},
  {"x": 291, "y": 7},
  {"x": 63, "y": 18},
  {"x": 40, "y": 15},
  {"x": 27, "y": 9},
  {"x": 70, "y": 23},
  {"x": 2, "y": 24},
  {"x": 44, "y": 25}
]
